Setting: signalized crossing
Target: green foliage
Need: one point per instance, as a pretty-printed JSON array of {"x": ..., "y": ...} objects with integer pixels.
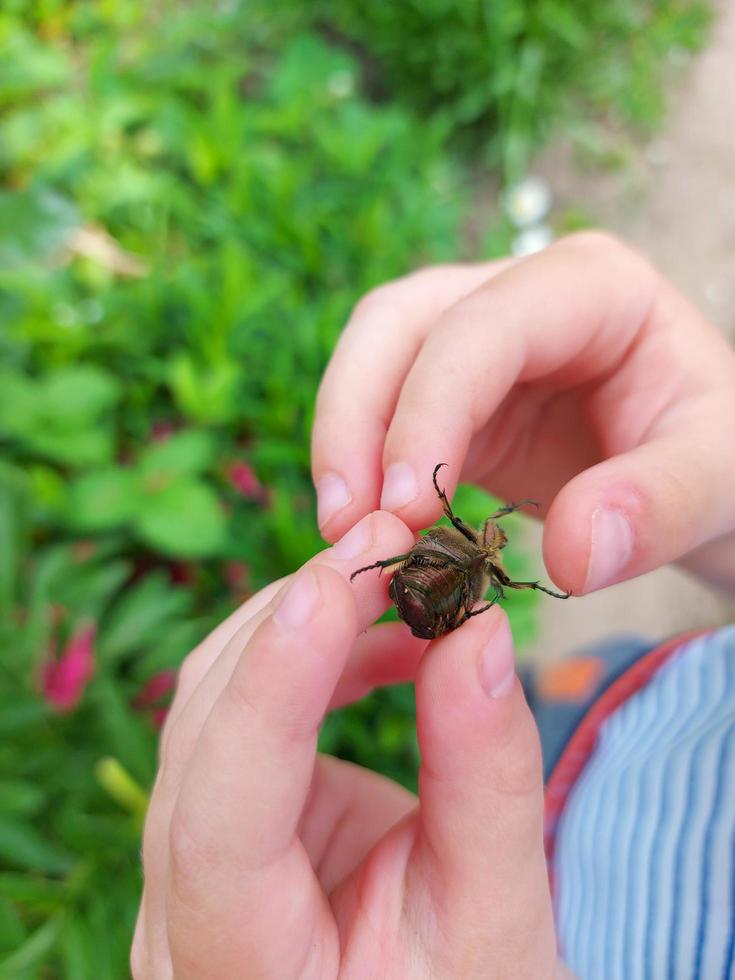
[
  {"x": 58, "y": 417},
  {"x": 161, "y": 498},
  {"x": 504, "y": 74},
  {"x": 194, "y": 197}
]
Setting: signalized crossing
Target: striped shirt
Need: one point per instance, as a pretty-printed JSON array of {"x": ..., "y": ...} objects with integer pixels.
[{"x": 644, "y": 851}]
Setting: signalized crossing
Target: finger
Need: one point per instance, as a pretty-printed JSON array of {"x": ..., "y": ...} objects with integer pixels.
[
  {"x": 386, "y": 654},
  {"x": 349, "y": 810},
  {"x": 235, "y": 860},
  {"x": 141, "y": 966},
  {"x": 361, "y": 385},
  {"x": 207, "y": 671},
  {"x": 558, "y": 315},
  {"x": 479, "y": 848},
  {"x": 641, "y": 509}
]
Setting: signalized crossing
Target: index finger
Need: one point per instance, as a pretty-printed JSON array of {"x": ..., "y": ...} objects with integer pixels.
[{"x": 361, "y": 385}]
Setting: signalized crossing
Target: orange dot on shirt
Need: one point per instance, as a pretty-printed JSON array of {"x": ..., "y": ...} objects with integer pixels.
[{"x": 569, "y": 680}]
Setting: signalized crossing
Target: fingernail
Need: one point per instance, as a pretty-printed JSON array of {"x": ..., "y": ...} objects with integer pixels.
[
  {"x": 332, "y": 494},
  {"x": 298, "y": 604},
  {"x": 358, "y": 539},
  {"x": 497, "y": 664},
  {"x": 610, "y": 550},
  {"x": 400, "y": 486}
]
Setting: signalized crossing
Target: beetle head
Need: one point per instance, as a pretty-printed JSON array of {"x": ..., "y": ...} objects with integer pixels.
[{"x": 494, "y": 537}]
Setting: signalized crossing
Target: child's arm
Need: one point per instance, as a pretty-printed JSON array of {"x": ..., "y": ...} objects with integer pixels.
[{"x": 577, "y": 376}]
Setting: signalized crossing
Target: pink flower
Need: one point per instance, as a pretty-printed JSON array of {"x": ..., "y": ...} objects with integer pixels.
[
  {"x": 159, "y": 717},
  {"x": 64, "y": 678},
  {"x": 182, "y": 572},
  {"x": 162, "y": 430},
  {"x": 243, "y": 479},
  {"x": 237, "y": 576},
  {"x": 153, "y": 691},
  {"x": 155, "y": 688}
]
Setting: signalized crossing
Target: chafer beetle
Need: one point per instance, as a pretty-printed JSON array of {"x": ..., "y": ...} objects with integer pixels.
[{"x": 448, "y": 571}]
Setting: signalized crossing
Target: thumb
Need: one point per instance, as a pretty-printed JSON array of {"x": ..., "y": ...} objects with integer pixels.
[{"x": 481, "y": 805}]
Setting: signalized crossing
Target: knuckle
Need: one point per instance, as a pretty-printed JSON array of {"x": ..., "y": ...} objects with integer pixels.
[
  {"x": 603, "y": 243},
  {"x": 606, "y": 247},
  {"x": 595, "y": 240},
  {"x": 374, "y": 303}
]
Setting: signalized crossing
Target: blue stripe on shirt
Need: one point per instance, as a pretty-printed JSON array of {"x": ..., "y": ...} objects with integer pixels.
[{"x": 645, "y": 865}]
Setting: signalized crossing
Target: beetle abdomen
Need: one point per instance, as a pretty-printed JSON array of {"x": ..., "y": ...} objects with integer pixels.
[{"x": 432, "y": 601}]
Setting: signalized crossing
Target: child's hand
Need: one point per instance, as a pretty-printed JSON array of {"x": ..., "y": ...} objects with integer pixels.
[
  {"x": 578, "y": 377},
  {"x": 264, "y": 860}
]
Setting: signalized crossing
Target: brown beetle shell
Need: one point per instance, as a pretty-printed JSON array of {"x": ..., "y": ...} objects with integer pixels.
[
  {"x": 436, "y": 585},
  {"x": 439, "y": 583}
]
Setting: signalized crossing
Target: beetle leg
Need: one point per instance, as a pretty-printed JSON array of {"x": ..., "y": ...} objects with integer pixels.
[
  {"x": 477, "y": 612},
  {"x": 449, "y": 513},
  {"x": 385, "y": 563},
  {"x": 539, "y": 588},
  {"x": 509, "y": 508}
]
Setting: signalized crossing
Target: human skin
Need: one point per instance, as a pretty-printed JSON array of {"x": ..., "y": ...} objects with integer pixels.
[
  {"x": 578, "y": 377},
  {"x": 264, "y": 860}
]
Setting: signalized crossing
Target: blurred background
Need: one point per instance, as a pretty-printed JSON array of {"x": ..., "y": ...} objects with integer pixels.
[{"x": 194, "y": 195}]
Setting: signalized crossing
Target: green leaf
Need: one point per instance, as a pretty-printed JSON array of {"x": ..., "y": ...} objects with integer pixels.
[
  {"x": 183, "y": 454},
  {"x": 23, "y": 847},
  {"x": 20, "y": 715},
  {"x": 11, "y": 525},
  {"x": 205, "y": 393},
  {"x": 33, "y": 224},
  {"x": 141, "y": 612},
  {"x": 77, "y": 950},
  {"x": 27, "y": 64},
  {"x": 17, "y": 402},
  {"x": 103, "y": 499},
  {"x": 48, "y": 489},
  {"x": 33, "y": 952},
  {"x": 12, "y": 932},
  {"x": 90, "y": 585},
  {"x": 184, "y": 519},
  {"x": 76, "y": 395},
  {"x": 128, "y": 736},
  {"x": 172, "y": 644},
  {"x": 57, "y": 416},
  {"x": 80, "y": 447},
  {"x": 39, "y": 893},
  {"x": 20, "y": 798}
]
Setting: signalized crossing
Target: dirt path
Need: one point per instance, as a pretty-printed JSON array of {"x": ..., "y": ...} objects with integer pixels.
[{"x": 676, "y": 203}]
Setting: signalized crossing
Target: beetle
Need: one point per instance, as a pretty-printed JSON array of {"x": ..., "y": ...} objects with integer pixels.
[{"x": 437, "y": 584}]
